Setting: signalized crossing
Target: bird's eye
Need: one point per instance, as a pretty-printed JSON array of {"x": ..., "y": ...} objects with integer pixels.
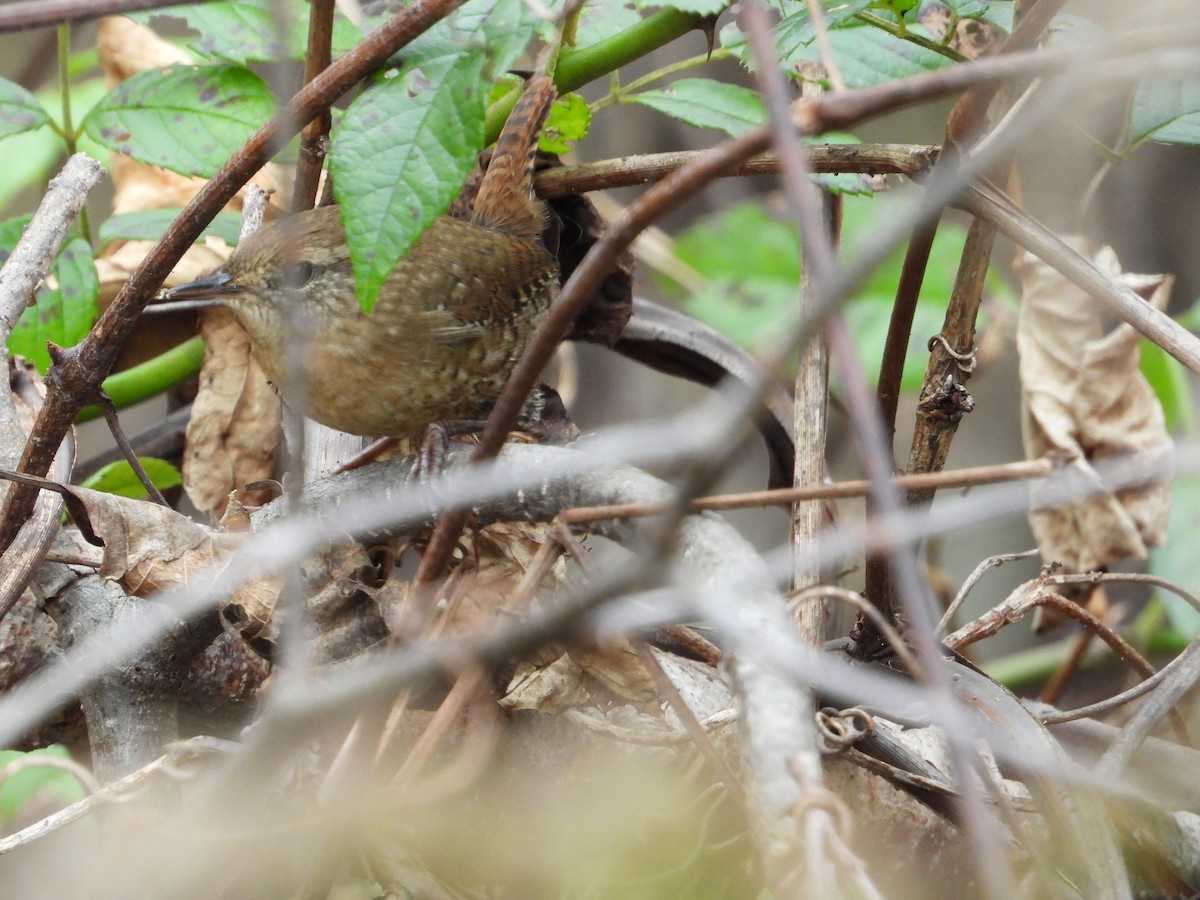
[{"x": 294, "y": 275}]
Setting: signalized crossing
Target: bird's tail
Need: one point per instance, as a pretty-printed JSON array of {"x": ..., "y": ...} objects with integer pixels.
[{"x": 505, "y": 201}]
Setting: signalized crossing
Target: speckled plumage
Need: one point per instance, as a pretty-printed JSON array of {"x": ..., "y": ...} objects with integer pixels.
[{"x": 451, "y": 320}]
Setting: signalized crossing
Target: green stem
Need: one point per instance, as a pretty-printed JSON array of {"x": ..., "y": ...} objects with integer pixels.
[
  {"x": 68, "y": 126},
  {"x": 152, "y": 377},
  {"x": 905, "y": 35},
  {"x": 620, "y": 94},
  {"x": 579, "y": 67},
  {"x": 64, "y": 82}
]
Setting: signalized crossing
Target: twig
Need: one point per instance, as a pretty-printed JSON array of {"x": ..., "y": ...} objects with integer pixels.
[
  {"x": 314, "y": 137},
  {"x": 1116, "y": 700},
  {"x": 904, "y": 310},
  {"x": 1161, "y": 703},
  {"x": 913, "y": 160},
  {"x": 955, "y": 478},
  {"x": 36, "y": 13},
  {"x": 978, "y": 572},
  {"x": 817, "y": 16},
  {"x": 1031, "y": 594},
  {"x": 24, "y": 556},
  {"x": 864, "y": 606},
  {"x": 687, "y": 718},
  {"x": 1094, "y": 578},
  {"x": 130, "y": 455},
  {"x": 167, "y": 764},
  {"x": 938, "y": 414}
]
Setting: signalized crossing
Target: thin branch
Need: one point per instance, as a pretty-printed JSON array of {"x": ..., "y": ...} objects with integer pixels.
[
  {"x": 168, "y": 765},
  {"x": 951, "y": 361},
  {"x": 912, "y": 160},
  {"x": 127, "y": 452},
  {"x": 1100, "y": 707},
  {"x": 978, "y": 572},
  {"x": 1161, "y": 703},
  {"x": 840, "y": 490},
  {"x": 863, "y": 605},
  {"x": 38, "y": 13},
  {"x": 816, "y": 220},
  {"x": 22, "y": 559},
  {"x": 904, "y": 310},
  {"x": 314, "y": 138}
]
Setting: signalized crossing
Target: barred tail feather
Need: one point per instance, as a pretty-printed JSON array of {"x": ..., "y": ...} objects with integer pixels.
[{"x": 505, "y": 200}]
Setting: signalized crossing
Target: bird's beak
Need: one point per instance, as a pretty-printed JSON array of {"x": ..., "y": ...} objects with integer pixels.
[{"x": 211, "y": 287}]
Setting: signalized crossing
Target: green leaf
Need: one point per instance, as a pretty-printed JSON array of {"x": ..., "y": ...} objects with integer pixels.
[
  {"x": 866, "y": 56},
  {"x": 19, "y": 110},
  {"x": 898, "y": 7},
  {"x": 1170, "y": 382},
  {"x": 149, "y": 225},
  {"x": 402, "y": 152},
  {"x": 602, "y": 20},
  {"x": 754, "y": 284},
  {"x": 1165, "y": 111},
  {"x": 34, "y": 786},
  {"x": 968, "y": 9},
  {"x": 65, "y": 308},
  {"x": 118, "y": 478},
  {"x": 247, "y": 30},
  {"x": 30, "y": 158},
  {"x": 700, "y": 7},
  {"x": 795, "y": 30},
  {"x": 406, "y": 145},
  {"x": 1176, "y": 559},
  {"x": 10, "y": 232},
  {"x": 188, "y": 119},
  {"x": 1000, "y": 14},
  {"x": 569, "y": 120},
  {"x": 707, "y": 103}
]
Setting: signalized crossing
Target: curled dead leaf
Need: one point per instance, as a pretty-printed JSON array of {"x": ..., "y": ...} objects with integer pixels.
[
  {"x": 232, "y": 435},
  {"x": 147, "y": 547},
  {"x": 1084, "y": 396}
]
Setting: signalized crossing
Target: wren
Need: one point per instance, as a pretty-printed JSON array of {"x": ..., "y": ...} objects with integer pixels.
[{"x": 452, "y": 318}]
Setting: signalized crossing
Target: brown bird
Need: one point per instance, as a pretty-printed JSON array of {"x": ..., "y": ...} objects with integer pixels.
[{"x": 451, "y": 320}]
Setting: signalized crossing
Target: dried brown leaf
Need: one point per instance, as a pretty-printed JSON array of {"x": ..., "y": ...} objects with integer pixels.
[
  {"x": 233, "y": 432},
  {"x": 147, "y": 547},
  {"x": 1084, "y": 396},
  {"x": 617, "y": 666}
]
